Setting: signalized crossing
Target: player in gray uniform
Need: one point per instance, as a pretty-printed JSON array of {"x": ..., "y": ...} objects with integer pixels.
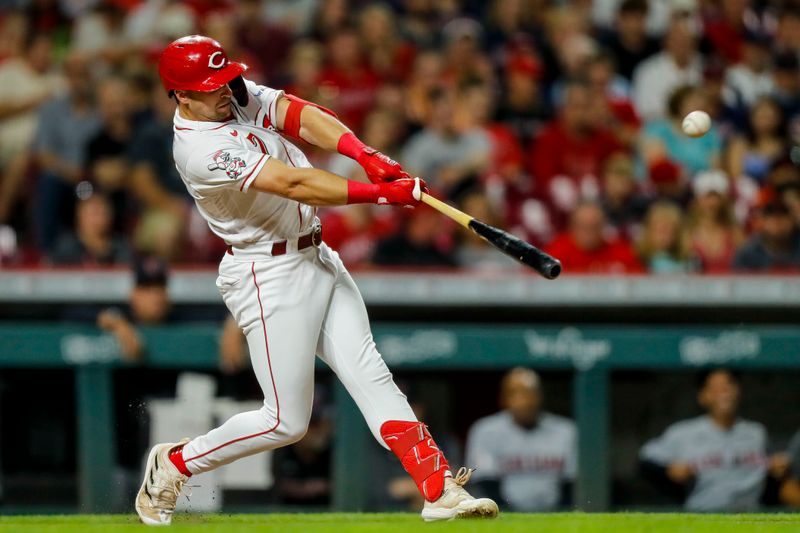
[
  {"x": 790, "y": 488},
  {"x": 718, "y": 457},
  {"x": 523, "y": 455}
]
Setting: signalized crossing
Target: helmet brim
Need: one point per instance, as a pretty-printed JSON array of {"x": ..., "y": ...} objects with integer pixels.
[{"x": 221, "y": 77}]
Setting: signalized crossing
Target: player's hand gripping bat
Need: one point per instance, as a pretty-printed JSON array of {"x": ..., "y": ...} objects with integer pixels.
[{"x": 527, "y": 254}]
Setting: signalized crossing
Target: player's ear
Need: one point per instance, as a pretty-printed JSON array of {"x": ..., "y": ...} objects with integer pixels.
[{"x": 180, "y": 96}]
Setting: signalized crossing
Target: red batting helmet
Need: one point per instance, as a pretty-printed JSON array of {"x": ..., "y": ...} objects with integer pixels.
[{"x": 196, "y": 63}]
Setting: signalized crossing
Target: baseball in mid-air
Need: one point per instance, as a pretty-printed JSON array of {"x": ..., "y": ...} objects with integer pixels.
[{"x": 696, "y": 124}]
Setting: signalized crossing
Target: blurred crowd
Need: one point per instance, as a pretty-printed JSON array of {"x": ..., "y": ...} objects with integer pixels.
[{"x": 558, "y": 121}]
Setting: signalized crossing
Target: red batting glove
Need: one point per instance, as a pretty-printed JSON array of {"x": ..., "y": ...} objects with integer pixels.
[
  {"x": 399, "y": 192},
  {"x": 379, "y": 167}
]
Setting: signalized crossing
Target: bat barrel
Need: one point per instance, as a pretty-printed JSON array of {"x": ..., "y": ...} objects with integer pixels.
[{"x": 527, "y": 254}]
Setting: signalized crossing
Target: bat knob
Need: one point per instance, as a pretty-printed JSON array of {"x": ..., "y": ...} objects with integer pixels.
[{"x": 553, "y": 270}]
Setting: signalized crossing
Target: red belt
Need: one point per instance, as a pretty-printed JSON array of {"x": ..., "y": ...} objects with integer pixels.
[{"x": 279, "y": 247}]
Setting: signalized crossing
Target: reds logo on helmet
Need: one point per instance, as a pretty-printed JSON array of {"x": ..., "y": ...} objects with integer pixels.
[
  {"x": 196, "y": 63},
  {"x": 233, "y": 166}
]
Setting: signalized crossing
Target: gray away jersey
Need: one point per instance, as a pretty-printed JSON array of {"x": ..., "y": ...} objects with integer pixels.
[
  {"x": 731, "y": 465},
  {"x": 530, "y": 464}
]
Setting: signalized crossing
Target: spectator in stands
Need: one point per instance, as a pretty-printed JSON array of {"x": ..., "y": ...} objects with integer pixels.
[
  {"x": 726, "y": 29},
  {"x": 569, "y": 45},
  {"x": 65, "y": 126},
  {"x": 93, "y": 242},
  {"x": 713, "y": 232},
  {"x": 585, "y": 248},
  {"x": 160, "y": 22},
  {"x": 789, "y": 193},
  {"x": 718, "y": 460},
  {"x": 658, "y": 76},
  {"x": 473, "y": 252},
  {"x": 155, "y": 182},
  {"x": 28, "y": 82},
  {"x": 260, "y": 40},
  {"x": 524, "y": 457},
  {"x": 106, "y": 163},
  {"x": 419, "y": 242},
  {"x": 750, "y": 78},
  {"x": 566, "y": 158},
  {"x": 622, "y": 202},
  {"x": 629, "y": 42},
  {"x": 442, "y": 154},
  {"x": 664, "y": 139},
  {"x": 100, "y": 35},
  {"x": 663, "y": 247},
  {"x": 667, "y": 182},
  {"x": 787, "y": 32},
  {"x": 612, "y": 106},
  {"x": 522, "y": 106},
  {"x": 420, "y": 23},
  {"x": 304, "y": 68},
  {"x": 347, "y": 80},
  {"x": 786, "y": 73},
  {"x": 464, "y": 60},
  {"x": 752, "y": 154},
  {"x": 388, "y": 55},
  {"x": 775, "y": 246},
  {"x": 475, "y": 107},
  {"x": 423, "y": 87},
  {"x": 505, "y": 21},
  {"x": 294, "y": 15},
  {"x": 330, "y": 17}
]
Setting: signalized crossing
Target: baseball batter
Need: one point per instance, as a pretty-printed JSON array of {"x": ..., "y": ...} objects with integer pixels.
[{"x": 287, "y": 290}]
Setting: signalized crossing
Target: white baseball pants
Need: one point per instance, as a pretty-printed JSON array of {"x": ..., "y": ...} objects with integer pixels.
[{"x": 291, "y": 308}]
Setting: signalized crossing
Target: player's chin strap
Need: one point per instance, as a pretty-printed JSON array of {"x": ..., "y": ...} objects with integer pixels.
[{"x": 413, "y": 445}]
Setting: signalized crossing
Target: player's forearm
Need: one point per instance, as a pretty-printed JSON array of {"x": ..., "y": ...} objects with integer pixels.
[
  {"x": 321, "y": 188},
  {"x": 309, "y": 186},
  {"x": 319, "y": 126}
]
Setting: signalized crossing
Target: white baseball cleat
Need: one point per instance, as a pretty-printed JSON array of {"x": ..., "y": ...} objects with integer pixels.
[
  {"x": 456, "y": 502},
  {"x": 161, "y": 487}
]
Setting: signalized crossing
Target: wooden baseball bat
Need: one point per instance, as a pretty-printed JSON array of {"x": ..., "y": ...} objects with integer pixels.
[{"x": 527, "y": 254}]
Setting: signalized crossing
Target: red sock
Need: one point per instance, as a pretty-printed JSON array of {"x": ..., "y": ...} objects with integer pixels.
[
  {"x": 413, "y": 445},
  {"x": 176, "y": 457}
]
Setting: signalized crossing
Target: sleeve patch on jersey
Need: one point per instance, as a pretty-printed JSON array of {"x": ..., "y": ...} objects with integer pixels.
[{"x": 233, "y": 166}]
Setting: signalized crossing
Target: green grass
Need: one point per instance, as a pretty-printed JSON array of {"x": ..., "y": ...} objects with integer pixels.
[{"x": 405, "y": 523}]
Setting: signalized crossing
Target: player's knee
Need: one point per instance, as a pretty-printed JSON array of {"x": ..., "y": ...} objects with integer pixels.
[{"x": 292, "y": 431}]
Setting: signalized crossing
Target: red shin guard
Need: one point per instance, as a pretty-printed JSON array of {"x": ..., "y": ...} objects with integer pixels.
[
  {"x": 413, "y": 445},
  {"x": 176, "y": 458}
]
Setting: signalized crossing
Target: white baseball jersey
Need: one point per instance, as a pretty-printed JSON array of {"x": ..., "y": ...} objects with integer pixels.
[{"x": 218, "y": 161}]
